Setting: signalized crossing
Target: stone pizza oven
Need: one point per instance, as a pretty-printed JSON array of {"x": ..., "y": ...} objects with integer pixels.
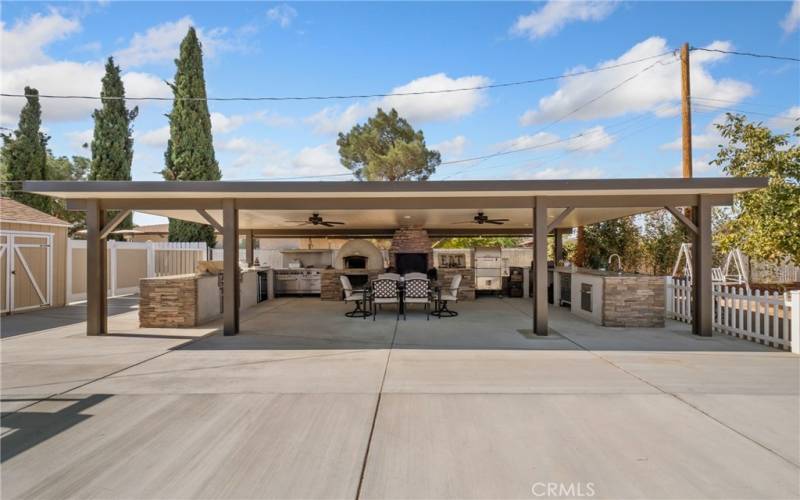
[
  {"x": 358, "y": 254},
  {"x": 411, "y": 250}
]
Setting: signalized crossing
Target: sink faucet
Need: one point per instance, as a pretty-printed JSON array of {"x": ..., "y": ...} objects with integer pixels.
[{"x": 619, "y": 262}]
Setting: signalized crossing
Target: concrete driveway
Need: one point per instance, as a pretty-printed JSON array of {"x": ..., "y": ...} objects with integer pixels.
[{"x": 306, "y": 403}]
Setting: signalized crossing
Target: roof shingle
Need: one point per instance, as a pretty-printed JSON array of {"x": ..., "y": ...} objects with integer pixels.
[{"x": 15, "y": 212}]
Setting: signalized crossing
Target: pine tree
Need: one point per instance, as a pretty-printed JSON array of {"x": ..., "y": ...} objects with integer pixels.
[
  {"x": 24, "y": 154},
  {"x": 112, "y": 145},
  {"x": 190, "y": 150}
]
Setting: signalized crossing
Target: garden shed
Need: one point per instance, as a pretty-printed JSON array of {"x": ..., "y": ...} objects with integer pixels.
[{"x": 33, "y": 258}]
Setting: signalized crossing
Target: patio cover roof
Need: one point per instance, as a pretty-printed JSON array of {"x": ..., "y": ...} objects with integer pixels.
[{"x": 377, "y": 208}]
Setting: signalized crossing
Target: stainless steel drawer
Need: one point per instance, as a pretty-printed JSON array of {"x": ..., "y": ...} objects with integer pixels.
[
  {"x": 488, "y": 283},
  {"x": 487, "y": 273}
]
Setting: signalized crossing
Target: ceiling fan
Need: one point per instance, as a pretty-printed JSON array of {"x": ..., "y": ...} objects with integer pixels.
[
  {"x": 316, "y": 220},
  {"x": 482, "y": 218}
]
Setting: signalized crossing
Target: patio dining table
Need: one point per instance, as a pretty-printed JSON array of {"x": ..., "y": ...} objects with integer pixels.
[{"x": 435, "y": 285}]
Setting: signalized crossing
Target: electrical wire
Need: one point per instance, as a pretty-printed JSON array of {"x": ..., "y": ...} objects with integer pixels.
[
  {"x": 353, "y": 96},
  {"x": 708, "y": 107},
  {"x": 483, "y": 158},
  {"x": 748, "y": 54},
  {"x": 617, "y": 136},
  {"x": 616, "y": 128},
  {"x": 736, "y": 101}
]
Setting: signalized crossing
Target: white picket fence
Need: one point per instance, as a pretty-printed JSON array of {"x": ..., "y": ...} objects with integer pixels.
[
  {"x": 130, "y": 261},
  {"x": 771, "y": 319}
]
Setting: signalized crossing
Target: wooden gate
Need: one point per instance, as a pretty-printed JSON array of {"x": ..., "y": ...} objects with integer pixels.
[{"x": 26, "y": 270}]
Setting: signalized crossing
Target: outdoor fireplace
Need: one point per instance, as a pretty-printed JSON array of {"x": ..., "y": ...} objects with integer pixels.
[
  {"x": 411, "y": 263},
  {"x": 355, "y": 262},
  {"x": 411, "y": 250}
]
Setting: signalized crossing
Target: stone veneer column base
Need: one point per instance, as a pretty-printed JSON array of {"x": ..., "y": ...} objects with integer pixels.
[
  {"x": 635, "y": 301},
  {"x": 169, "y": 302}
]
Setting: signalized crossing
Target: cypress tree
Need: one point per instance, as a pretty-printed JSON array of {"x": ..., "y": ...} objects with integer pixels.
[
  {"x": 112, "y": 145},
  {"x": 190, "y": 151},
  {"x": 24, "y": 154}
]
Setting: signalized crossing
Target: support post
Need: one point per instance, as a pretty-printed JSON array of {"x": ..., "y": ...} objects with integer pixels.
[
  {"x": 96, "y": 284},
  {"x": 249, "y": 246},
  {"x": 540, "y": 266},
  {"x": 794, "y": 321},
  {"x": 230, "y": 289},
  {"x": 701, "y": 274},
  {"x": 558, "y": 246}
]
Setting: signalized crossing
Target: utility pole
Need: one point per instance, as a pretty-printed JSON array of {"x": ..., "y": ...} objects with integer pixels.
[
  {"x": 686, "y": 115},
  {"x": 686, "y": 112}
]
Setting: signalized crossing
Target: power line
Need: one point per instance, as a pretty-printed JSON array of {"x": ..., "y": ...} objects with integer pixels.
[
  {"x": 748, "y": 54},
  {"x": 353, "y": 96},
  {"x": 736, "y": 101},
  {"x": 481, "y": 159},
  {"x": 746, "y": 112},
  {"x": 618, "y": 137}
]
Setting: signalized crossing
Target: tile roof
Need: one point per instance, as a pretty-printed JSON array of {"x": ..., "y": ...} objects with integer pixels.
[{"x": 15, "y": 212}]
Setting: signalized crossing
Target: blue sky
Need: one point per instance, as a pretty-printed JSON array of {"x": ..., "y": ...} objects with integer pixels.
[{"x": 273, "y": 49}]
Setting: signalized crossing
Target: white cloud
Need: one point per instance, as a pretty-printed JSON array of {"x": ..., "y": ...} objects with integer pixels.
[
  {"x": 223, "y": 124},
  {"x": 437, "y": 107},
  {"x": 416, "y": 109},
  {"x": 787, "y": 120},
  {"x": 78, "y": 138},
  {"x": 264, "y": 158},
  {"x": 24, "y": 62},
  {"x": 709, "y": 139},
  {"x": 23, "y": 44},
  {"x": 156, "y": 138},
  {"x": 70, "y": 78},
  {"x": 701, "y": 167},
  {"x": 556, "y": 14},
  {"x": 656, "y": 90},
  {"x": 792, "y": 20},
  {"x": 330, "y": 120},
  {"x": 251, "y": 154},
  {"x": 566, "y": 172},
  {"x": 319, "y": 160},
  {"x": 282, "y": 14},
  {"x": 451, "y": 148},
  {"x": 161, "y": 43},
  {"x": 590, "y": 140}
]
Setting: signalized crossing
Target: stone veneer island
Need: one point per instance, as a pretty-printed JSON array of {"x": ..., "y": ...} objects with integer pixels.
[{"x": 613, "y": 299}]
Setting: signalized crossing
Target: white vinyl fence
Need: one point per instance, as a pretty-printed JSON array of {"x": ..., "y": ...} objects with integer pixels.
[
  {"x": 766, "y": 318},
  {"x": 266, "y": 257},
  {"x": 128, "y": 262}
]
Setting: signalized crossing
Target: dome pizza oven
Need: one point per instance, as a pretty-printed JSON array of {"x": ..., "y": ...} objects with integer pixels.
[{"x": 355, "y": 262}]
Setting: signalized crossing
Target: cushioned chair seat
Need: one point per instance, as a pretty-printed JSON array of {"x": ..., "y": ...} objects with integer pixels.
[{"x": 417, "y": 300}]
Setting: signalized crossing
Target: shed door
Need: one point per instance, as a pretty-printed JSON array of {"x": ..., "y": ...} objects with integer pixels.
[{"x": 28, "y": 261}]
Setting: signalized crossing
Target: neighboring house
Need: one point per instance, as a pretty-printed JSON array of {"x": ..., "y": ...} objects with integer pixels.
[{"x": 33, "y": 258}]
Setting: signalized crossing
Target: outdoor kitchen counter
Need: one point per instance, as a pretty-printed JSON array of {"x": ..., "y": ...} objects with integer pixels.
[
  {"x": 188, "y": 299},
  {"x": 613, "y": 299}
]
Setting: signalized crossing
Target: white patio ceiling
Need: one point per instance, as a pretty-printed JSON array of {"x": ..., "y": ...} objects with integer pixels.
[{"x": 444, "y": 219}]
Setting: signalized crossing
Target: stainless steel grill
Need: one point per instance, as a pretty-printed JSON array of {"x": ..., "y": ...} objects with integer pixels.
[{"x": 297, "y": 281}]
